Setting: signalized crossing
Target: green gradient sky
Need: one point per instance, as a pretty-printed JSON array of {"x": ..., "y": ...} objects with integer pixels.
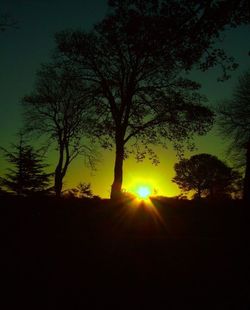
[{"x": 22, "y": 50}]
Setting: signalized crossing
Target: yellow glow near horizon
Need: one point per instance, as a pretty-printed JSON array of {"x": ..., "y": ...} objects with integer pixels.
[
  {"x": 142, "y": 188},
  {"x": 158, "y": 178},
  {"x": 143, "y": 192}
]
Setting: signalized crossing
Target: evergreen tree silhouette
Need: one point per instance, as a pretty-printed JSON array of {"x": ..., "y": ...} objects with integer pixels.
[{"x": 26, "y": 175}]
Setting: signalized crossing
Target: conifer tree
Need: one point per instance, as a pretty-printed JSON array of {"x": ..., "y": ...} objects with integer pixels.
[{"x": 26, "y": 172}]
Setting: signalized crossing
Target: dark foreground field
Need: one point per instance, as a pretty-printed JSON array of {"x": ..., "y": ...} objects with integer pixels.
[{"x": 74, "y": 254}]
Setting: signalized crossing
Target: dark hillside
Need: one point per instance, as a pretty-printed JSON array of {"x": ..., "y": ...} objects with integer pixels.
[{"x": 91, "y": 254}]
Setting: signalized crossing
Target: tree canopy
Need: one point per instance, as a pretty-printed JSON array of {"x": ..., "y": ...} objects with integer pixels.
[
  {"x": 206, "y": 175},
  {"x": 133, "y": 65}
]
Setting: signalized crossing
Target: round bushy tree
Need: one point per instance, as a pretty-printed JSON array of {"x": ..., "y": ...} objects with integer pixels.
[{"x": 206, "y": 175}]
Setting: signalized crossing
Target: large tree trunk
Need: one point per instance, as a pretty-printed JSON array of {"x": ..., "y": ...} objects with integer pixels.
[
  {"x": 246, "y": 190},
  {"x": 116, "y": 187}
]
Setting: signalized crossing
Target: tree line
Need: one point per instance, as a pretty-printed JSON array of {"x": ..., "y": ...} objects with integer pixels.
[{"x": 123, "y": 84}]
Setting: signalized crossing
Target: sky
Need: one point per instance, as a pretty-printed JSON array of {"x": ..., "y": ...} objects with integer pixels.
[{"x": 23, "y": 49}]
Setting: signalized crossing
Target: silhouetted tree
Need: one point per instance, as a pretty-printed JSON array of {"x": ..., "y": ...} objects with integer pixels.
[
  {"x": 206, "y": 175},
  {"x": 27, "y": 174},
  {"x": 134, "y": 62},
  {"x": 57, "y": 109},
  {"x": 234, "y": 124}
]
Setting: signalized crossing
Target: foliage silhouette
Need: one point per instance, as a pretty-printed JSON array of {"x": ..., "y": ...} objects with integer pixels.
[
  {"x": 134, "y": 62},
  {"x": 207, "y": 176},
  {"x": 27, "y": 175},
  {"x": 56, "y": 109},
  {"x": 234, "y": 125},
  {"x": 82, "y": 190}
]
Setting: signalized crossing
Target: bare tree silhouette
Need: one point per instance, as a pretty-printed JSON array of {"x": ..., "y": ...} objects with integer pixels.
[
  {"x": 57, "y": 109},
  {"x": 234, "y": 124},
  {"x": 134, "y": 62}
]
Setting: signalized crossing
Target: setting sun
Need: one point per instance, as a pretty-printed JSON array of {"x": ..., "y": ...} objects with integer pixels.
[
  {"x": 143, "y": 192},
  {"x": 142, "y": 188}
]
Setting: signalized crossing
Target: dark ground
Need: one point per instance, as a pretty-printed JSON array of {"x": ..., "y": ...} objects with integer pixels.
[{"x": 74, "y": 254}]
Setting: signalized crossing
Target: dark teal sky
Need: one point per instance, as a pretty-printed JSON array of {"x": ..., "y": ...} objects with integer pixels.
[{"x": 22, "y": 50}]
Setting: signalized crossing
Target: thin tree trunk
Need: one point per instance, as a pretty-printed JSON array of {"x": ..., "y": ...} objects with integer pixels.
[
  {"x": 61, "y": 168},
  {"x": 118, "y": 172},
  {"x": 246, "y": 190},
  {"x": 58, "y": 174}
]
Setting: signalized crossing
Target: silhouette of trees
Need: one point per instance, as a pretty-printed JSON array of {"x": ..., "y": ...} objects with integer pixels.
[
  {"x": 207, "y": 176},
  {"x": 57, "y": 109},
  {"x": 27, "y": 174},
  {"x": 133, "y": 62},
  {"x": 234, "y": 124}
]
